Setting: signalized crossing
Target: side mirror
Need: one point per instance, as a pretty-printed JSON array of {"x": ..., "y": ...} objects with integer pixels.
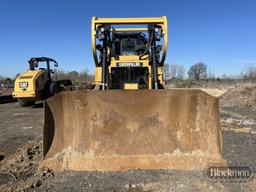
[{"x": 55, "y": 64}]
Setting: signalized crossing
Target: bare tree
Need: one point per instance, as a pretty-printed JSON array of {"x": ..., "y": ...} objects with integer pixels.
[
  {"x": 8, "y": 80},
  {"x": 177, "y": 71},
  {"x": 224, "y": 76},
  {"x": 180, "y": 72},
  {"x": 73, "y": 75},
  {"x": 198, "y": 71},
  {"x": 61, "y": 75},
  {"x": 86, "y": 76},
  {"x": 210, "y": 74},
  {"x": 76, "y": 77},
  {"x": 173, "y": 71},
  {"x": 250, "y": 73},
  {"x": 2, "y": 80}
]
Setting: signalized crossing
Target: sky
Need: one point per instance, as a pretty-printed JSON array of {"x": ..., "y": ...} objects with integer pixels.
[{"x": 220, "y": 33}]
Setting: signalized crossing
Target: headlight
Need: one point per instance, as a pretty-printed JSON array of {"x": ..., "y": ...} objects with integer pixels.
[{"x": 23, "y": 84}]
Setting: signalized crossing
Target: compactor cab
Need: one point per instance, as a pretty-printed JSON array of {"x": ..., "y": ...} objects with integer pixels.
[
  {"x": 44, "y": 64},
  {"x": 131, "y": 122}
]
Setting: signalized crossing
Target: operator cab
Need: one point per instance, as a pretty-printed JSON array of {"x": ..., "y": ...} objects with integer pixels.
[
  {"x": 128, "y": 43},
  {"x": 128, "y": 52},
  {"x": 43, "y": 63}
]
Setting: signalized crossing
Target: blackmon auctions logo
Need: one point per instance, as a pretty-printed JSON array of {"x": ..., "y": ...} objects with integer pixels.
[{"x": 229, "y": 173}]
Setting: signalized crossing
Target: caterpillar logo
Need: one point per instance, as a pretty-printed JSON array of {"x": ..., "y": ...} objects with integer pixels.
[{"x": 129, "y": 64}]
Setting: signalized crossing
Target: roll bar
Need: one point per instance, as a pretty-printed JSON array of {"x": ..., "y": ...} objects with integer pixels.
[
  {"x": 32, "y": 61},
  {"x": 159, "y": 21}
]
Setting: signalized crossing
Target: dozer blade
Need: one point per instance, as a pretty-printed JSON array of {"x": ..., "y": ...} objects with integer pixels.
[{"x": 135, "y": 129}]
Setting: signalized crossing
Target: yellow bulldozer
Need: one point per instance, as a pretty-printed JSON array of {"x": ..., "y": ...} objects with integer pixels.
[
  {"x": 39, "y": 82},
  {"x": 130, "y": 121}
]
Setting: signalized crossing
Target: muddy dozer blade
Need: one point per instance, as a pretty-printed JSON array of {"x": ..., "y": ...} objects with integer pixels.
[{"x": 135, "y": 129}]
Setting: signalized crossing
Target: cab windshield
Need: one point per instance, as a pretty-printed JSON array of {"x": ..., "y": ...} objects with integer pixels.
[
  {"x": 128, "y": 46},
  {"x": 128, "y": 43}
]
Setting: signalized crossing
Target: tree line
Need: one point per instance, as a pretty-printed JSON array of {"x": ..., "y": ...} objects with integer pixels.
[
  {"x": 200, "y": 71},
  {"x": 75, "y": 76},
  {"x": 78, "y": 78}
]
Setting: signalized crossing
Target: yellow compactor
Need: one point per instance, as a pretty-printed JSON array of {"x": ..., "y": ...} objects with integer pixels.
[
  {"x": 39, "y": 82},
  {"x": 131, "y": 122}
]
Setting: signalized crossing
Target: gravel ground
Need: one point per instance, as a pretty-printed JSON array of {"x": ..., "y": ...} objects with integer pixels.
[
  {"x": 242, "y": 97},
  {"x": 19, "y": 125},
  {"x": 20, "y": 147}
]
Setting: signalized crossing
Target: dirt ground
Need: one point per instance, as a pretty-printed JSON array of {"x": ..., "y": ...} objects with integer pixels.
[
  {"x": 6, "y": 91},
  {"x": 20, "y": 152},
  {"x": 19, "y": 125}
]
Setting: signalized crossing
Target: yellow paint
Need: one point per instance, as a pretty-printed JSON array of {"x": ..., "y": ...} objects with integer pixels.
[
  {"x": 160, "y": 74},
  {"x": 132, "y": 20},
  {"x": 98, "y": 74},
  {"x": 129, "y": 29},
  {"x": 36, "y": 81},
  {"x": 159, "y": 21}
]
